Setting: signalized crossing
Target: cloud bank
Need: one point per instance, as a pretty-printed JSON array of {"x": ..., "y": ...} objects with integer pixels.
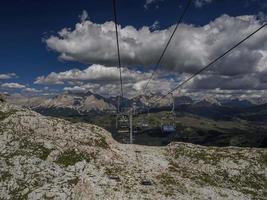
[
  {"x": 13, "y": 86},
  {"x": 7, "y": 76},
  {"x": 192, "y": 48},
  {"x": 93, "y": 74},
  {"x": 105, "y": 80}
]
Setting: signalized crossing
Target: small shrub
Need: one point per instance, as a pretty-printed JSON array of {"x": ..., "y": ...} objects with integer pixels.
[
  {"x": 73, "y": 181},
  {"x": 4, "y": 115},
  {"x": 101, "y": 142},
  {"x": 36, "y": 149},
  {"x": 70, "y": 157},
  {"x": 5, "y": 175}
]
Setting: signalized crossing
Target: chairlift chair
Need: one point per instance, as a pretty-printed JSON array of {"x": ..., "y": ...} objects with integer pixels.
[
  {"x": 122, "y": 118},
  {"x": 123, "y": 123},
  {"x": 145, "y": 124},
  {"x": 169, "y": 127}
]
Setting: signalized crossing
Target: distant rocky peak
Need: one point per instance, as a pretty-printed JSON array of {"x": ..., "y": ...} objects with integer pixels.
[
  {"x": 2, "y": 98},
  {"x": 212, "y": 100},
  {"x": 208, "y": 101}
]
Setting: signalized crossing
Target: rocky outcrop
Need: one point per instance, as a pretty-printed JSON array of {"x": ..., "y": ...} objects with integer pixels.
[
  {"x": 49, "y": 158},
  {"x": 2, "y": 98}
]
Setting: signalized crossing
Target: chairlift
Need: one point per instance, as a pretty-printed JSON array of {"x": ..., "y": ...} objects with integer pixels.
[
  {"x": 137, "y": 130},
  {"x": 144, "y": 124},
  {"x": 122, "y": 119},
  {"x": 123, "y": 123},
  {"x": 169, "y": 127}
]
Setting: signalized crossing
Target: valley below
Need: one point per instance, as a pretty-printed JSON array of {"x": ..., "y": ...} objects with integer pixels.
[
  {"x": 189, "y": 128},
  {"x": 208, "y": 121}
]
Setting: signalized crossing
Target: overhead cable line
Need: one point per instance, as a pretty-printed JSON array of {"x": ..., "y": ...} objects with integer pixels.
[
  {"x": 118, "y": 45},
  {"x": 168, "y": 43},
  {"x": 211, "y": 63}
]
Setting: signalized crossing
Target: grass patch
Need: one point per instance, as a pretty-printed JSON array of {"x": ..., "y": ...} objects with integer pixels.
[
  {"x": 4, "y": 115},
  {"x": 210, "y": 156},
  {"x": 207, "y": 179},
  {"x": 16, "y": 194},
  {"x": 73, "y": 181},
  {"x": 196, "y": 155},
  {"x": 169, "y": 182},
  {"x": 248, "y": 180},
  {"x": 166, "y": 179},
  {"x": 39, "y": 150},
  {"x": 5, "y": 175},
  {"x": 113, "y": 170},
  {"x": 70, "y": 157},
  {"x": 28, "y": 148},
  {"x": 101, "y": 142},
  {"x": 263, "y": 158}
]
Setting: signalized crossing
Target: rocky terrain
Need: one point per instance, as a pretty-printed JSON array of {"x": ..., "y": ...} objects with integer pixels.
[
  {"x": 65, "y": 104},
  {"x": 50, "y": 158}
]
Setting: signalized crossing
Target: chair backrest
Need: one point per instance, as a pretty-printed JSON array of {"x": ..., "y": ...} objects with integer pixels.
[
  {"x": 167, "y": 128},
  {"x": 123, "y": 123}
]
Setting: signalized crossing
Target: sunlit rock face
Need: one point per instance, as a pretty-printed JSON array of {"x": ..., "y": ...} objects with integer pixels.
[
  {"x": 68, "y": 103},
  {"x": 49, "y": 158},
  {"x": 2, "y": 98}
]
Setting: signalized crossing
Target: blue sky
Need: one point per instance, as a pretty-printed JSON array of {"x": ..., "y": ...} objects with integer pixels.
[{"x": 26, "y": 24}]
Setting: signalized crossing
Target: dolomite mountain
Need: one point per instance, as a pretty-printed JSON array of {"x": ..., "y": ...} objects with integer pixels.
[
  {"x": 66, "y": 104},
  {"x": 49, "y": 158}
]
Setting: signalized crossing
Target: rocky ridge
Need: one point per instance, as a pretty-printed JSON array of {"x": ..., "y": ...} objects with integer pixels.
[
  {"x": 84, "y": 102},
  {"x": 49, "y": 158}
]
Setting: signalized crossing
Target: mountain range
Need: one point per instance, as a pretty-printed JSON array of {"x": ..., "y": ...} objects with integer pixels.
[
  {"x": 84, "y": 103},
  {"x": 64, "y": 104}
]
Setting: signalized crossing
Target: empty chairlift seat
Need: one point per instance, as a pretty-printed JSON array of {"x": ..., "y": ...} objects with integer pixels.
[
  {"x": 167, "y": 128},
  {"x": 168, "y": 122},
  {"x": 123, "y": 123}
]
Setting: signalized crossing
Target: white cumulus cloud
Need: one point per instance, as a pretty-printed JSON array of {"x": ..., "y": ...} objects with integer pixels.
[
  {"x": 105, "y": 80},
  {"x": 149, "y": 2},
  {"x": 201, "y": 3},
  {"x": 84, "y": 15},
  {"x": 7, "y": 76},
  {"x": 31, "y": 90},
  {"x": 191, "y": 49},
  {"x": 13, "y": 86},
  {"x": 94, "y": 74}
]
